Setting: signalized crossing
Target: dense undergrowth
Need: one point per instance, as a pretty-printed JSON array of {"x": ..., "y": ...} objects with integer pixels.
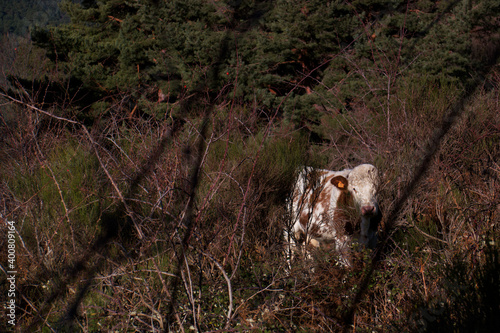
[
  {"x": 132, "y": 222},
  {"x": 222, "y": 251}
]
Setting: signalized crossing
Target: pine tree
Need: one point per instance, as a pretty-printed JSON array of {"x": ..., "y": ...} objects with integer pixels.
[{"x": 303, "y": 57}]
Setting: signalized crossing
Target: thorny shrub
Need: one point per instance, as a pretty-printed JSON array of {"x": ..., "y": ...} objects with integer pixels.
[{"x": 141, "y": 225}]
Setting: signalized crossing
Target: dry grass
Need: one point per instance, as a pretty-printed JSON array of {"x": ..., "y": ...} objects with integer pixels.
[{"x": 136, "y": 225}]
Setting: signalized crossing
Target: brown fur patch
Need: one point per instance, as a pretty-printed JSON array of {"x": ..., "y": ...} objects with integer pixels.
[
  {"x": 345, "y": 219},
  {"x": 314, "y": 230},
  {"x": 304, "y": 219},
  {"x": 324, "y": 199}
]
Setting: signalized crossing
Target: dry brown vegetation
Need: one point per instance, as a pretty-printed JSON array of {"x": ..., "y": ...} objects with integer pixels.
[{"x": 133, "y": 224}]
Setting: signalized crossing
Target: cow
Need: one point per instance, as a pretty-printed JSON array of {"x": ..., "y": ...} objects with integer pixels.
[{"x": 335, "y": 208}]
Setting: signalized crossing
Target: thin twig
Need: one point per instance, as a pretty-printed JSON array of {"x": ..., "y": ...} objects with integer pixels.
[
  {"x": 113, "y": 183},
  {"x": 427, "y": 235},
  {"x": 94, "y": 144},
  {"x": 39, "y": 110},
  {"x": 188, "y": 285},
  {"x": 229, "y": 287},
  {"x": 47, "y": 165}
]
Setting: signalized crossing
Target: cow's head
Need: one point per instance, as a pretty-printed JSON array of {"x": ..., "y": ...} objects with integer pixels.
[{"x": 363, "y": 184}]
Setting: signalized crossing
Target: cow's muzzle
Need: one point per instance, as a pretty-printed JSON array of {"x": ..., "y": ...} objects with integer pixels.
[{"x": 368, "y": 210}]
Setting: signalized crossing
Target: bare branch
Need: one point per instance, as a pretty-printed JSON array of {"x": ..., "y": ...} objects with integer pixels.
[
  {"x": 39, "y": 110},
  {"x": 229, "y": 287}
]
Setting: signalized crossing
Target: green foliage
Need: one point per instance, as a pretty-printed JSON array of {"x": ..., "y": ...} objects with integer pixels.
[
  {"x": 67, "y": 188},
  {"x": 259, "y": 167},
  {"x": 281, "y": 85},
  {"x": 18, "y": 17},
  {"x": 289, "y": 56}
]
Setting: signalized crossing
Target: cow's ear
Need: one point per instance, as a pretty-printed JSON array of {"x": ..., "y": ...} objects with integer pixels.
[{"x": 339, "y": 182}]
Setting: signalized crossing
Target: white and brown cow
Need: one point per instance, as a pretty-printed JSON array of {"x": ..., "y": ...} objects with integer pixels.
[{"x": 335, "y": 208}]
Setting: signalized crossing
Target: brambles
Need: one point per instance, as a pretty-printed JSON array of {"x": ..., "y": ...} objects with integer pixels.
[
  {"x": 136, "y": 214},
  {"x": 448, "y": 226}
]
